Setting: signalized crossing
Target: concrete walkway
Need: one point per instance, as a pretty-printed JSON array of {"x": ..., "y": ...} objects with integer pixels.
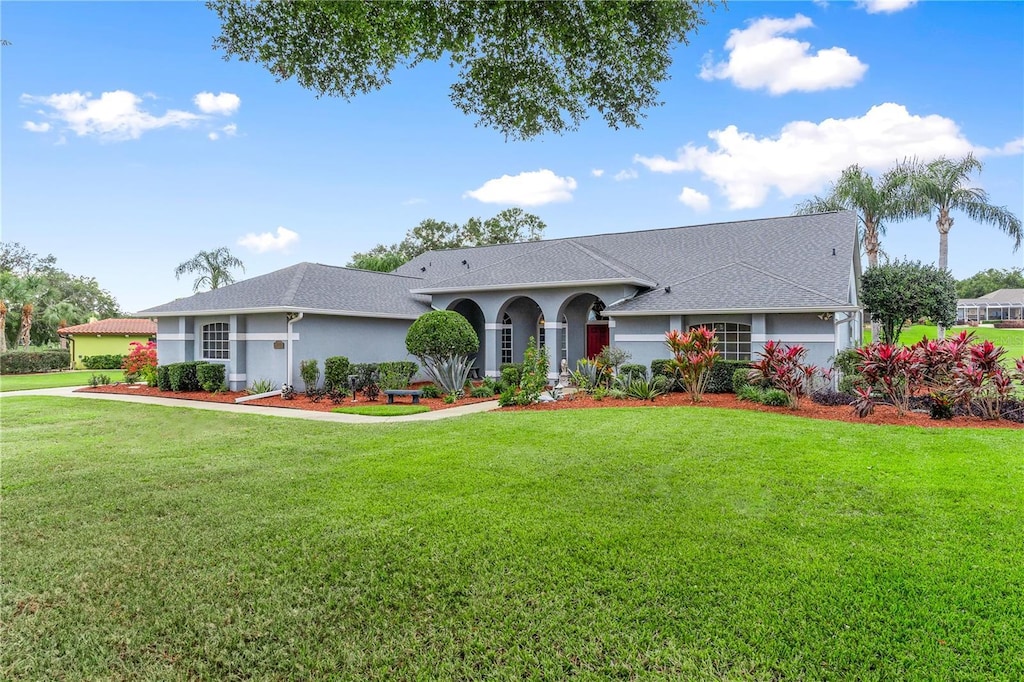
[{"x": 433, "y": 415}]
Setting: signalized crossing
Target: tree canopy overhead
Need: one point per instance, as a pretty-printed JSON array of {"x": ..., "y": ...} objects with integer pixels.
[
  {"x": 524, "y": 68},
  {"x": 511, "y": 225}
]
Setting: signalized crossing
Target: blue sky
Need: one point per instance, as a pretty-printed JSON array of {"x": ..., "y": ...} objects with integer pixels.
[{"x": 186, "y": 151}]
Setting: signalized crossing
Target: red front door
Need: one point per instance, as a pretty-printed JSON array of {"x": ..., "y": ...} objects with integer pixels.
[{"x": 597, "y": 338}]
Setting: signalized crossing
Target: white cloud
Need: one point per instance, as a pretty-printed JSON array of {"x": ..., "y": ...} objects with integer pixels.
[
  {"x": 1011, "y": 148},
  {"x": 213, "y": 136},
  {"x": 34, "y": 127},
  {"x": 531, "y": 188},
  {"x": 412, "y": 201},
  {"x": 112, "y": 116},
  {"x": 597, "y": 172},
  {"x": 885, "y": 6},
  {"x": 628, "y": 174},
  {"x": 698, "y": 201},
  {"x": 267, "y": 241},
  {"x": 224, "y": 104},
  {"x": 230, "y": 129},
  {"x": 805, "y": 156},
  {"x": 759, "y": 57}
]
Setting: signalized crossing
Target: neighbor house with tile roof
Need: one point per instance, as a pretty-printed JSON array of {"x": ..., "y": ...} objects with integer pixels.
[
  {"x": 792, "y": 279},
  {"x": 112, "y": 336}
]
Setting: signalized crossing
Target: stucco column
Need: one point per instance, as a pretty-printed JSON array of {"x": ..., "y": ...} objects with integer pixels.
[{"x": 492, "y": 349}]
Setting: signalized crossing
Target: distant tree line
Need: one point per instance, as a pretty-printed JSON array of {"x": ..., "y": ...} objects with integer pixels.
[{"x": 37, "y": 298}]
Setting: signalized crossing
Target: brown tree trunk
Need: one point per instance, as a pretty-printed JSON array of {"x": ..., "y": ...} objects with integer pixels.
[
  {"x": 25, "y": 333},
  {"x": 3, "y": 327}
]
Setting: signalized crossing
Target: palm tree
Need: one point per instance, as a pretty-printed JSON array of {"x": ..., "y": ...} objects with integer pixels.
[
  {"x": 214, "y": 268},
  {"x": 941, "y": 186},
  {"x": 855, "y": 190}
]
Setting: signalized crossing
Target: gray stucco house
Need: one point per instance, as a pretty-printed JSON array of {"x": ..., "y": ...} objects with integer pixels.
[{"x": 792, "y": 279}]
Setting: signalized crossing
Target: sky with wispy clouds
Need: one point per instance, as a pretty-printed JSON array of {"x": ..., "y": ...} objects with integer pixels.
[{"x": 129, "y": 144}]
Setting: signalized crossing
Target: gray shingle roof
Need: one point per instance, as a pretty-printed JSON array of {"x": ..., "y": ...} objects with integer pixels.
[
  {"x": 768, "y": 264},
  {"x": 309, "y": 287},
  {"x": 546, "y": 263},
  {"x": 787, "y": 262}
]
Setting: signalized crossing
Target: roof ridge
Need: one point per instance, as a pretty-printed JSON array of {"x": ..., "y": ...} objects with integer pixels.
[
  {"x": 607, "y": 259},
  {"x": 374, "y": 272},
  {"x": 541, "y": 245},
  {"x": 293, "y": 287}
]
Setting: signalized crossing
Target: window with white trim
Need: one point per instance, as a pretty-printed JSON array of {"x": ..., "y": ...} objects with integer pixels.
[
  {"x": 215, "y": 341},
  {"x": 506, "y": 340},
  {"x": 733, "y": 339}
]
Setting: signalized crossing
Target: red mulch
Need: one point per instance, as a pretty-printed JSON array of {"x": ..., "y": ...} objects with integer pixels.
[
  {"x": 300, "y": 402},
  {"x": 883, "y": 414}
]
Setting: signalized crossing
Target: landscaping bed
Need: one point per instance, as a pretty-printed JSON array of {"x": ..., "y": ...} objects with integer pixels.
[
  {"x": 299, "y": 402},
  {"x": 884, "y": 414}
]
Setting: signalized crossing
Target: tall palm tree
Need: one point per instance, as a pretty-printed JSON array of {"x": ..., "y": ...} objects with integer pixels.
[
  {"x": 856, "y": 190},
  {"x": 213, "y": 267},
  {"x": 941, "y": 186}
]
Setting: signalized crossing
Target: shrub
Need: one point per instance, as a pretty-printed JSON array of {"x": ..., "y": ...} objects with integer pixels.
[
  {"x": 482, "y": 391},
  {"x": 309, "y": 370},
  {"x": 210, "y": 376},
  {"x": 612, "y": 357},
  {"x": 830, "y": 397},
  {"x": 141, "y": 362},
  {"x": 782, "y": 367},
  {"x": 511, "y": 373},
  {"x": 775, "y": 397},
  {"x": 496, "y": 385},
  {"x": 893, "y": 371},
  {"x": 28, "y": 362},
  {"x": 99, "y": 380},
  {"x": 366, "y": 374},
  {"x": 431, "y": 391},
  {"x": 740, "y": 378},
  {"x": 396, "y": 375},
  {"x": 443, "y": 341},
  {"x": 644, "y": 389},
  {"x": 163, "y": 378},
  {"x": 589, "y": 375},
  {"x": 183, "y": 376},
  {"x": 259, "y": 386},
  {"x": 336, "y": 371},
  {"x": 665, "y": 368},
  {"x": 722, "y": 372},
  {"x": 693, "y": 356},
  {"x": 508, "y": 397},
  {"x": 535, "y": 372},
  {"x": 103, "y": 361},
  {"x": 632, "y": 371}
]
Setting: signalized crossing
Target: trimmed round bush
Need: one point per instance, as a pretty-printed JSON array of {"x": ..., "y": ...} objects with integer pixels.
[
  {"x": 441, "y": 334},
  {"x": 740, "y": 379}
]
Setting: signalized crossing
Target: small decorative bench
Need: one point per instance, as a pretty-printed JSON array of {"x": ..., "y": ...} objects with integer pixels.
[{"x": 405, "y": 391}]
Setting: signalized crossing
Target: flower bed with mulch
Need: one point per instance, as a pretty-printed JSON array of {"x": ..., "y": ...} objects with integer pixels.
[
  {"x": 299, "y": 402},
  {"x": 884, "y": 414}
]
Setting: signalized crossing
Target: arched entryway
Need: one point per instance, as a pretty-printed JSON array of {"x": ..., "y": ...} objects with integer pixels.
[
  {"x": 519, "y": 319},
  {"x": 584, "y": 330},
  {"x": 472, "y": 312}
]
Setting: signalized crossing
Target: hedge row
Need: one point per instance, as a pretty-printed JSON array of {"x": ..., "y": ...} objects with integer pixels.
[
  {"x": 103, "y": 361},
  {"x": 720, "y": 380},
  {"x": 29, "y": 362},
  {"x": 190, "y": 376}
]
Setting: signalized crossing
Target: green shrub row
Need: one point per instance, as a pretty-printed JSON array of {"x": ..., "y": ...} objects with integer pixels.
[
  {"x": 191, "y": 376},
  {"x": 28, "y": 362},
  {"x": 396, "y": 375},
  {"x": 720, "y": 380},
  {"x": 336, "y": 371},
  {"x": 103, "y": 361}
]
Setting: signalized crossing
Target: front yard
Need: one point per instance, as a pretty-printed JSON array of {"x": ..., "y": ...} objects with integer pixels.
[
  {"x": 145, "y": 542},
  {"x": 77, "y": 377}
]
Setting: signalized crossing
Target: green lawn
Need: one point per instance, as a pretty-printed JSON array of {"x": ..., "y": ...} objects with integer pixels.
[
  {"x": 143, "y": 542},
  {"x": 1011, "y": 339},
  {"x": 80, "y": 377},
  {"x": 382, "y": 410}
]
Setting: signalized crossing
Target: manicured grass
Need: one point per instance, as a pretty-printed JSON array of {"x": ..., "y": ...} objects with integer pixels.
[
  {"x": 382, "y": 410},
  {"x": 1011, "y": 339},
  {"x": 144, "y": 542},
  {"x": 78, "y": 377}
]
